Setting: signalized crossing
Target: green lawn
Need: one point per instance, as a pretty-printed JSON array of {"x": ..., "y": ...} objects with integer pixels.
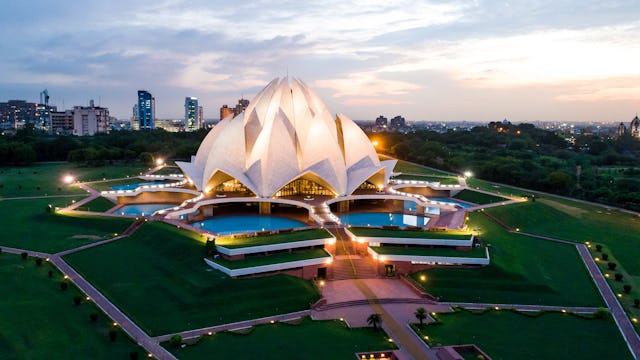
[
  {"x": 307, "y": 340},
  {"x": 163, "y": 266},
  {"x": 523, "y": 270},
  {"x": 499, "y": 189},
  {"x": 26, "y": 225},
  {"x": 41, "y": 179},
  {"x": 578, "y": 222},
  {"x": 412, "y": 168},
  {"x": 477, "y": 197},
  {"x": 422, "y": 251},
  {"x": 277, "y": 258},
  {"x": 444, "y": 180},
  {"x": 99, "y": 204},
  {"x": 40, "y": 321},
  {"x": 240, "y": 242},
  {"x": 413, "y": 234},
  {"x": 508, "y": 335},
  {"x": 168, "y": 170}
]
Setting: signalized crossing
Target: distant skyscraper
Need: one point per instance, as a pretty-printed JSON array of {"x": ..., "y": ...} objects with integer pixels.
[
  {"x": 634, "y": 127},
  {"x": 191, "y": 122},
  {"x": 200, "y": 117},
  {"x": 397, "y": 122},
  {"x": 146, "y": 110},
  {"x": 242, "y": 104},
  {"x": 381, "y": 121},
  {"x": 225, "y": 111}
]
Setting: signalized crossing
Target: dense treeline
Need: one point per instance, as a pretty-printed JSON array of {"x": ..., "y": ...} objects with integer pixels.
[
  {"x": 592, "y": 167},
  {"x": 29, "y": 146}
]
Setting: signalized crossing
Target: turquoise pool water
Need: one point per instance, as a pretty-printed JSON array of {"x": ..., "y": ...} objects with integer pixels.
[
  {"x": 142, "y": 209},
  {"x": 382, "y": 218},
  {"x": 452, "y": 201},
  {"x": 226, "y": 225},
  {"x": 135, "y": 186}
]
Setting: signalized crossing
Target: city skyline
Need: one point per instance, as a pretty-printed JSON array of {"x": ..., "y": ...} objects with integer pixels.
[{"x": 435, "y": 61}]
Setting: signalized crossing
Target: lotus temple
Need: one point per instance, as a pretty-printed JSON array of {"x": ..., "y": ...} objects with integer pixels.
[{"x": 287, "y": 187}]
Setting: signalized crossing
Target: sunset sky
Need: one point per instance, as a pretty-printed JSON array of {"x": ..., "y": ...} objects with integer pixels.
[{"x": 426, "y": 60}]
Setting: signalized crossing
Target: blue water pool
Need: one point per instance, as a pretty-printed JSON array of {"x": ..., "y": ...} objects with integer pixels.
[
  {"x": 382, "y": 218},
  {"x": 226, "y": 225},
  {"x": 135, "y": 186},
  {"x": 452, "y": 201},
  {"x": 142, "y": 209}
]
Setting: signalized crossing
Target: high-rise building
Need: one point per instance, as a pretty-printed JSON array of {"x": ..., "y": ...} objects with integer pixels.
[
  {"x": 146, "y": 110},
  {"x": 81, "y": 121},
  {"x": 15, "y": 114},
  {"x": 397, "y": 122},
  {"x": 381, "y": 121},
  {"x": 191, "y": 122},
  {"x": 225, "y": 111},
  {"x": 200, "y": 117},
  {"x": 240, "y": 107}
]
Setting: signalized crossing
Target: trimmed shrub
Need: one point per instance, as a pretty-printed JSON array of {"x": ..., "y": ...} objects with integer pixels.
[
  {"x": 64, "y": 285},
  {"x": 113, "y": 335},
  {"x": 133, "y": 355},
  {"x": 618, "y": 276},
  {"x": 612, "y": 265},
  {"x": 50, "y": 273},
  {"x": 24, "y": 255},
  {"x": 38, "y": 261},
  {"x": 636, "y": 302},
  {"x": 0, "y": 250},
  {"x": 600, "y": 313},
  {"x": 605, "y": 256},
  {"x": 77, "y": 300},
  {"x": 627, "y": 288},
  {"x": 175, "y": 341},
  {"x": 93, "y": 317},
  {"x": 599, "y": 247}
]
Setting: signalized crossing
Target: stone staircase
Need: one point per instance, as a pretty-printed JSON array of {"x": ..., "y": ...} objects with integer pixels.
[
  {"x": 324, "y": 213},
  {"x": 353, "y": 267}
]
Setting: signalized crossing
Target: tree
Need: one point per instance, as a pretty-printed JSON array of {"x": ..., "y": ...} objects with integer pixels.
[
  {"x": 50, "y": 273},
  {"x": 627, "y": 289},
  {"x": 618, "y": 277},
  {"x": 605, "y": 257},
  {"x": 175, "y": 341},
  {"x": 39, "y": 261},
  {"x": 77, "y": 300},
  {"x": 93, "y": 317},
  {"x": 146, "y": 158},
  {"x": 599, "y": 247},
  {"x": 421, "y": 314},
  {"x": 24, "y": 255},
  {"x": 612, "y": 265},
  {"x": 636, "y": 302},
  {"x": 133, "y": 355},
  {"x": 374, "y": 320},
  {"x": 64, "y": 286},
  {"x": 113, "y": 334}
]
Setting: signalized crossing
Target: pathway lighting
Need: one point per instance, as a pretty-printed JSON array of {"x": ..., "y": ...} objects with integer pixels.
[
  {"x": 159, "y": 161},
  {"x": 65, "y": 277},
  {"x": 321, "y": 282},
  {"x": 597, "y": 259},
  {"x": 564, "y": 311},
  {"x": 426, "y": 337},
  {"x": 635, "y": 320},
  {"x": 423, "y": 278},
  {"x": 390, "y": 340},
  {"x": 433, "y": 314},
  {"x": 209, "y": 333},
  {"x": 606, "y": 275},
  {"x": 467, "y": 174},
  {"x": 272, "y": 322},
  {"x": 497, "y": 308},
  {"x": 68, "y": 179},
  {"x": 88, "y": 298},
  {"x": 115, "y": 324}
]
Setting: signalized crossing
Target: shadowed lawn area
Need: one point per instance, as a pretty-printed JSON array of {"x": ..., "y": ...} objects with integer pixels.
[
  {"x": 162, "y": 265},
  {"x": 277, "y": 258},
  {"x": 477, "y": 197},
  {"x": 41, "y": 179},
  {"x": 475, "y": 252},
  {"x": 99, "y": 204},
  {"x": 411, "y": 168},
  {"x": 509, "y": 335},
  {"x": 523, "y": 270},
  {"x": 578, "y": 222},
  {"x": 307, "y": 340},
  {"x": 302, "y": 235},
  {"x": 27, "y": 225},
  {"x": 40, "y": 321}
]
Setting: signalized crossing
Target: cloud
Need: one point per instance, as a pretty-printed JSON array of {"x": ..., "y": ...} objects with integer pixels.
[
  {"x": 623, "y": 89},
  {"x": 368, "y": 84}
]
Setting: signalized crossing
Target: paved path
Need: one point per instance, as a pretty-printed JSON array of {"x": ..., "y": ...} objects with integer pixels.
[
  {"x": 523, "y": 307},
  {"x": 232, "y": 326},
  {"x": 624, "y": 324},
  {"x": 40, "y": 197},
  {"x": 20, "y": 251},
  {"x": 150, "y": 345}
]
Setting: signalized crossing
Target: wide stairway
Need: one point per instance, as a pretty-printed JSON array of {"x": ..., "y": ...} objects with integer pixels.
[
  {"x": 347, "y": 263},
  {"x": 324, "y": 213}
]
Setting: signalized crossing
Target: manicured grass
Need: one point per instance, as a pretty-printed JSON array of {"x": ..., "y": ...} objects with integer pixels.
[
  {"x": 477, "y": 197},
  {"x": 240, "y": 242},
  {"x": 307, "y": 340},
  {"x": 444, "y": 180},
  {"x": 422, "y": 251},
  {"x": 158, "y": 277},
  {"x": 499, "y": 189},
  {"x": 106, "y": 185},
  {"x": 168, "y": 170},
  {"x": 509, "y": 335},
  {"x": 41, "y": 179},
  {"x": 412, "y": 168},
  {"x": 578, "y": 222},
  {"x": 413, "y": 234},
  {"x": 98, "y": 204},
  {"x": 523, "y": 270},
  {"x": 278, "y": 258},
  {"x": 26, "y": 225},
  {"x": 40, "y": 321}
]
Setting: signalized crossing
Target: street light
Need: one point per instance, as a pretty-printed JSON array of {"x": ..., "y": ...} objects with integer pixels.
[
  {"x": 68, "y": 179},
  {"x": 467, "y": 174},
  {"x": 159, "y": 161}
]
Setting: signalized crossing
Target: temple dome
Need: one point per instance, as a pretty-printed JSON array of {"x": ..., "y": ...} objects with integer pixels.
[{"x": 286, "y": 133}]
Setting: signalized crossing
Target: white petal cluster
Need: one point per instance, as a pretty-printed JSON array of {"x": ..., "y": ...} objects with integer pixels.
[{"x": 286, "y": 133}]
